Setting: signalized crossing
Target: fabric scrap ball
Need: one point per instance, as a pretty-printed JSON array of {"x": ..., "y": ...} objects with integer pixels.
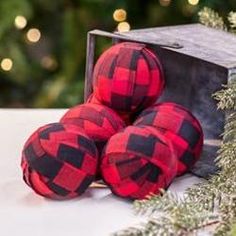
[
  {"x": 179, "y": 126},
  {"x": 128, "y": 77},
  {"x": 59, "y": 161},
  {"x": 137, "y": 162},
  {"x": 97, "y": 121}
]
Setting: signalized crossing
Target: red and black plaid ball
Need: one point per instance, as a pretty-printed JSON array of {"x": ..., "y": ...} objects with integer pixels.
[
  {"x": 128, "y": 78},
  {"x": 59, "y": 161},
  {"x": 98, "y": 122},
  {"x": 126, "y": 117},
  {"x": 180, "y": 127},
  {"x": 137, "y": 162}
]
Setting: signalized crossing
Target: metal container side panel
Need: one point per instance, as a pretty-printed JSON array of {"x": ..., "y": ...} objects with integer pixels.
[
  {"x": 191, "y": 83},
  {"x": 204, "y": 43}
]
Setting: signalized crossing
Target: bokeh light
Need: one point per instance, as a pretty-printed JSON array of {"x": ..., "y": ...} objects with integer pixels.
[
  {"x": 49, "y": 63},
  {"x": 193, "y": 2},
  {"x": 20, "y": 22},
  {"x": 119, "y": 15},
  {"x": 123, "y": 27},
  {"x": 33, "y": 35},
  {"x": 6, "y": 64}
]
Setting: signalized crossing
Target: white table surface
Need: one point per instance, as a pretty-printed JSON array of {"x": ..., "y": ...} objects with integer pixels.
[{"x": 22, "y": 212}]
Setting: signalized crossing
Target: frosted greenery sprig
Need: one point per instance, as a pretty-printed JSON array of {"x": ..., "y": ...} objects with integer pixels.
[
  {"x": 211, "y": 18},
  {"x": 227, "y": 97},
  {"x": 232, "y": 21}
]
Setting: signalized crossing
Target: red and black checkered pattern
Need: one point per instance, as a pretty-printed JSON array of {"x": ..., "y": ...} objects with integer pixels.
[
  {"x": 128, "y": 78},
  {"x": 98, "y": 122},
  {"x": 180, "y": 127},
  {"x": 126, "y": 117},
  {"x": 59, "y": 161},
  {"x": 137, "y": 162}
]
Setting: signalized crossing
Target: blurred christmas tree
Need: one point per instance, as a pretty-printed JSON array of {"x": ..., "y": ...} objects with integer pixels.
[{"x": 43, "y": 43}]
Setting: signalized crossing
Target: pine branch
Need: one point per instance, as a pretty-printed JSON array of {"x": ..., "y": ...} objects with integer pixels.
[
  {"x": 210, "y": 18},
  {"x": 232, "y": 21},
  {"x": 228, "y": 216},
  {"x": 227, "y": 97},
  {"x": 171, "y": 215},
  {"x": 220, "y": 190}
]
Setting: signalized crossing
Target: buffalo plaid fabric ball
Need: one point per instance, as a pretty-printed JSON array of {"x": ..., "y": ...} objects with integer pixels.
[
  {"x": 59, "y": 161},
  {"x": 126, "y": 117},
  {"x": 137, "y": 162},
  {"x": 98, "y": 122},
  {"x": 180, "y": 127},
  {"x": 128, "y": 78}
]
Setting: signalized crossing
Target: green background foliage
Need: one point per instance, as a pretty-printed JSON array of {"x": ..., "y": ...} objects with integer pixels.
[{"x": 64, "y": 25}]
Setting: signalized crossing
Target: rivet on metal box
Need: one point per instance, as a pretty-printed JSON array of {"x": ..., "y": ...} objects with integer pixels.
[{"x": 197, "y": 60}]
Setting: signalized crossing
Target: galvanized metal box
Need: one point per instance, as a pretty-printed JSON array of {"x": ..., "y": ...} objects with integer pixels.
[{"x": 197, "y": 60}]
